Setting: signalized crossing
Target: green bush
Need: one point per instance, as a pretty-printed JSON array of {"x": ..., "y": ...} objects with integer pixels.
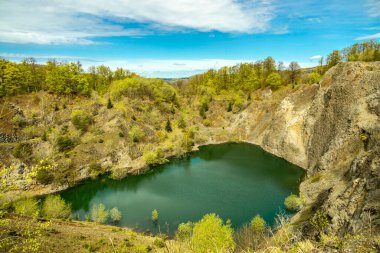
[
  {"x": 159, "y": 243},
  {"x": 80, "y": 120},
  {"x": 55, "y": 207},
  {"x": 99, "y": 213},
  {"x": 319, "y": 221},
  {"x": 115, "y": 214},
  {"x": 274, "y": 81},
  {"x": 27, "y": 207},
  {"x": 44, "y": 176},
  {"x": 258, "y": 224},
  {"x": 64, "y": 143},
  {"x": 95, "y": 169},
  {"x": 210, "y": 234},
  {"x": 293, "y": 203},
  {"x": 185, "y": 231},
  {"x": 23, "y": 151},
  {"x": 136, "y": 133},
  {"x": 154, "y": 215}
]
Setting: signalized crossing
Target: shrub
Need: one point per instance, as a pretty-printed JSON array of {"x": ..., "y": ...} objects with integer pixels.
[
  {"x": 319, "y": 221},
  {"x": 80, "y": 120},
  {"x": 136, "y": 133},
  {"x": 258, "y": 224},
  {"x": 154, "y": 215},
  {"x": 210, "y": 234},
  {"x": 119, "y": 172},
  {"x": 55, "y": 207},
  {"x": 23, "y": 151},
  {"x": 95, "y": 169},
  {"x": 115, "y": 214},
  {"x": 19, "y": 120},
  {"x": 44, "y": 176},
  {"x": 27, "y": 207},
  {"x": 99, "y": 213},
  {"x": 293, "y": 203},
  {"x": 109, "y": 104},
  {"x": 140, "y": 249},
  {"x": 274, "y": 80},
  {"x": 159, "y": 243},
  {"x": 32, "y": 131},
  {"x": 168, "y": 126},
  {"x": 65, "y": 143},
  {"x": 153, "y": 157},
  {"x": 185, "y": 231},
  {"x": 314, "y": 77}
]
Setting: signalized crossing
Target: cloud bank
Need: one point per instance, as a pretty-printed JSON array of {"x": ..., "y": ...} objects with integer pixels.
[{"x": 80, "y": 21}]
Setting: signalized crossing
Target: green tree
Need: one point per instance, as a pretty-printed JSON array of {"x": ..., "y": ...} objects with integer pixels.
[
  {"x": 294, "y": 70},
  {"x": 314, "y": 77},
  {"x": 99, "y": 213},
  {"x": 333, "y": 59},
  {"x": 168, "y": 126},
  {"x": 274, "y": 80},
  {"x": 109, "y": 104},
  {"x": 27, "y": 207},
  {"x": 55, "y": 207},
  {"x": 210, "y": 234},
  {"x": 155, "y": 215},
  {"x": 184, "y": 231},
  {"x": 115, "y": 214},
  {"x": 258, "y": 224},
  {"x": 293, "y": 203}
]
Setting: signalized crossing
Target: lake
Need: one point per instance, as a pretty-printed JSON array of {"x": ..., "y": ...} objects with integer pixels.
[{"x": 234, "y": 180}]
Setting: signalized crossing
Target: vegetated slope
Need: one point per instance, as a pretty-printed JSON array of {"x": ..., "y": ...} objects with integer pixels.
[{"x": 331, "y": 129}]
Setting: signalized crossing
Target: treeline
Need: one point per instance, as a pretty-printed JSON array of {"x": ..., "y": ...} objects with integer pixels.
[
  {"x": 248, "y": 77},
  {"x": 55, "y": 77}
]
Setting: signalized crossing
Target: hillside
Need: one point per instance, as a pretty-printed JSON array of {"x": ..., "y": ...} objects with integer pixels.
[{"x": 331, "y": 129}]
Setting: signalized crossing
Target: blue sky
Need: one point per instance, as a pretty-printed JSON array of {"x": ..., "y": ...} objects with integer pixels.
[{"x": 177, "y": 38}]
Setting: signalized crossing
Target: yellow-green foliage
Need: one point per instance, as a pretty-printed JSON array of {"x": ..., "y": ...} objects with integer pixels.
[
  {"x": 274, "y": 80},
  {"x": 153, "y": 157},
  {"x": 314, "y": 77},
  {"x": 80, "y": 120},
  {"x": 56, "y": 207},
  {"x": 319, "y": 221},
  {"x": 258, "y": 224},
  {"x": 211, "y": 234},
  {"x": 41, "y": 172},
  {"x": 136, "y": 133},
  {"x": 154, "y": 215},
  {"x": 184, "y": 231},
  {"x": 293, "y": 203},
  {"x": 99, "y": 213},
  {"x": 115, "y": 214},
  {"x": 27, "y": 207}
]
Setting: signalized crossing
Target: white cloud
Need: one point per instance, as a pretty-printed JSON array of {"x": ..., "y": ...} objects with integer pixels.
[
  {"x": 373, "y": 8},
  {"x": 79, "y": 21},
  {"x": 316, "y": 57},
  {"x": 369, "y": 37}
]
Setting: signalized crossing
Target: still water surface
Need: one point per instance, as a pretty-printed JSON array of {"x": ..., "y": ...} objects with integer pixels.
[{"x": 236, "y": 181}]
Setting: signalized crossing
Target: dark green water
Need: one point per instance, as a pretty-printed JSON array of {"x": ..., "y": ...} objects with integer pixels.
[{"x": 236, "y": 181}]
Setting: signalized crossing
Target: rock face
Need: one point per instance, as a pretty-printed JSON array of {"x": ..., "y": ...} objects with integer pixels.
[{"x": 333, "y": 131}]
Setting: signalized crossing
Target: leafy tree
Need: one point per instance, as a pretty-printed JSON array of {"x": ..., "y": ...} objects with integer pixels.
[
  {"x": 155, "y": 215},
  {"x": 294, "y": 72},
  {"x": 80, "y": 120},
  {"x": 274, "y": 80},
  {"x": 314, "y": 77},
  {"x": 185, "y": 231},
  {"x": 210, "y": 234},
  {"x": 258, "y": 224},
  {"x": 99, "y": 213},
  {"x": 168, "y": 126},
  {"x": 333, "y": 59},
  {"x": 115, "y": 214},
  {"x": 27, "y": 207},
  {"x": 293, "y": 203},
  {"x": 55, "y": 207},
  {"x": 44, "y": 176},
  {"x": 109, "y": 104}
]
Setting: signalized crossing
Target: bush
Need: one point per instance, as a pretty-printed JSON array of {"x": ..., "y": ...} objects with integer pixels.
[
  {"x": 23, "y": 151},
  {"x": 136, "y": 134},
  {"x": 293, "y": 203},
  {"x": 99, "y": 213},
  {"x": 154, "y": 215},
  {"x": 153, "y": 157},
  {"x": 185, "y": 231},
  {"x": 65, "y": 143},
  {"x": 258, "y": 224},
  {"x": 44, "y": 176},
  {"x": 27, "y": 207},
  {"x": 94, "y": 169},
  {"x": 80, "y": 120},
  {"x": 159, "y": 243},
  {"x": 319, "y": 221},
  {"x": 115, "y": 214},
  {"x": 119, "y": 172},
  {"x": 55, "y": 207},
  {"x": 210, "y": 234},
  {"x": 274, "y": 81},
  {"x": 32, "y": 131}
]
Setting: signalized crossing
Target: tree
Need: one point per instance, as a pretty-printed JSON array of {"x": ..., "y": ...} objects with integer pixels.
[
  {"x": 333, "y": 59},
  {"x": 258, "y": 224},
  {"x": 80, "y": 120},
  {"x": 210, "y": 234},
  {"x": 55, "y": 207},
  {"x": 99, "y": 213},
  {"x": 27, "y": 207},
  {"x": 293, "y": 203},
  {"x": 154, "y": 215},
  {"x": 185, "y": 231},
  {"x": 294, "y": 72},
  {"x": 274, "y": 80},
  {"x": 115, "y": 214},
  {"x": 109, "y": 104},
  {"x": 168, "y": 126},
  {"x": 314, "y": 77}
]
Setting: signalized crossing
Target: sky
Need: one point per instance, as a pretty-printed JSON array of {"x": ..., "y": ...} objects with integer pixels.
[{"x": 180, "y": 38}]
